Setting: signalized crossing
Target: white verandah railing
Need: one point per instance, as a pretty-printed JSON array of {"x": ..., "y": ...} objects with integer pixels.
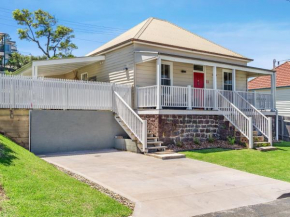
[
  {"x": 45, "y": 93},
  {"x": 189, "y": 97}
]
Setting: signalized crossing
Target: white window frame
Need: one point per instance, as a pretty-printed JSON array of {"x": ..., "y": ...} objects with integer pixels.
[
  {"x": 171, "y": 70},
  {"x": 223, "y": 77},
  {"x": 85, "y": 73},
  {"x": 199, "y": 71}
]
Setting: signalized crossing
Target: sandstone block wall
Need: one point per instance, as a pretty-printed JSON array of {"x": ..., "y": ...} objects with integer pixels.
[
  {"x": 15, "y": 125},
  {"x": 173, "y": 129}
]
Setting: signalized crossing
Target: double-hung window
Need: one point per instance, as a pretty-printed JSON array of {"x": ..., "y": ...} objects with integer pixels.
[{"x": 165, "y": 75}]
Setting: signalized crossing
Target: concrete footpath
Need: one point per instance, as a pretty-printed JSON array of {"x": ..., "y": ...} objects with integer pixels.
[
  {"x": 276, "y": 208},
  {"x": 181, "y": 187}
]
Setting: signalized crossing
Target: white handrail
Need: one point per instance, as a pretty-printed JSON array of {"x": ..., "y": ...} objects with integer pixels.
[
  {"x": 132, "y": 120},
  {"x": 260, "y": 121},
  {"x": 236, "y": 117}
]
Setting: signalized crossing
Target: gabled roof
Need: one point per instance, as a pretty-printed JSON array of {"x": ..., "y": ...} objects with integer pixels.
[
  {"x": 161, "y": 32},
  {"x": 282, "y": 78}
]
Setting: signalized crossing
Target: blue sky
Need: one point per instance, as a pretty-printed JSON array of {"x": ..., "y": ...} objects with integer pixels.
[{"x": 258, "y": 29}]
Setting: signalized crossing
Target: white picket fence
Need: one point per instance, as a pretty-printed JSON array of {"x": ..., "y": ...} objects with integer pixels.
[{"x": 45, "y": 93}]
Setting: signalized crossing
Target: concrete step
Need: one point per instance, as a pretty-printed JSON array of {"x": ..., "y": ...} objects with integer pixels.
[
  {"x": 259, "y": 138},
  {"x": 166, "y": 155},
  {"x": 267, "y": 148},
  {"x": 258, "y": 143},
  {"x": 151, "y": 137},
  {"x": 157, "y": 147},
  {"x": 155, "y": 143},
  {"x": 255, "y": 133}
]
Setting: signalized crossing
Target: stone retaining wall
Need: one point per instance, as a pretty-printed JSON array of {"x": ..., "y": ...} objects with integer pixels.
[{"x": 173, "y": 129}]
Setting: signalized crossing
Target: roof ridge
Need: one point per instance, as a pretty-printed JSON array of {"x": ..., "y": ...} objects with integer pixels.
[
  {"x": 201, "y": 37},
  {"x": 143, "y": 28}
]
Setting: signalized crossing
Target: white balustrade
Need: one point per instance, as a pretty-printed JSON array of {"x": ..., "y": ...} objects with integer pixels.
[
  {"x": 132, "y": 120},
  {"x": 236, "y": 117},
  {"x": 203, "y": 98},
  {"x": 260, "y": 121},
  {"x": 147, "y": 96},
  {"x": 174, "y": 96}
]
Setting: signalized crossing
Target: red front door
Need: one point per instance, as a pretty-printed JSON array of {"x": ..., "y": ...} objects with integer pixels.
[
  {"x": 198, "y": 94},
  {"x": 198, "y": 80}
]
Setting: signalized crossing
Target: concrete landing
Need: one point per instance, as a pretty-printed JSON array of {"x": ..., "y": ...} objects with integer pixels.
[{"x": 166, "y": 155}]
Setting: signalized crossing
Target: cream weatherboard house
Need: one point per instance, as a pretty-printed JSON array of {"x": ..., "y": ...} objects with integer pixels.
[{"x": 183, "y": 86}]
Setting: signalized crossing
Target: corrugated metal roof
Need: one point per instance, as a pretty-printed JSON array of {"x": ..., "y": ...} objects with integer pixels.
[{"x": 163, "y": 32}]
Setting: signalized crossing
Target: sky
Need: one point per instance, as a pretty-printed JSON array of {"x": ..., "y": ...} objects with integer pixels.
[{"x": 258, "y": 29}]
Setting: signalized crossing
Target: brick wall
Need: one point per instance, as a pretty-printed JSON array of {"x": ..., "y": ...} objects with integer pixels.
[{"x": 184, "y": 128}]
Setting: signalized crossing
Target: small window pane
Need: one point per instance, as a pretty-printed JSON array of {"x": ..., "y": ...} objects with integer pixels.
[{"x": 198, "y": 67}]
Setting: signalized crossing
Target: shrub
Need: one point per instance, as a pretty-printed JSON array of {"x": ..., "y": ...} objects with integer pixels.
[
  {"x": 210, "y": 139},
  {"x": 231, "y": 140},
  {"x": 179, "y": 144},
  {"x": 196, "y": 141}
]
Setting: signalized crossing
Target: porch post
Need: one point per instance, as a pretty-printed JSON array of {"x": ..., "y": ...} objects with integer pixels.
[
  {"x": 189, "y": 98},
  {"x": 214, "y": 80},
  {"x": 234, "y": 79},
  {"x": 273, "y": 90},
  {"x": 158, "y": 82},
  {"x": 34, "y": 71},
  {"x": 234, "y": 85}
]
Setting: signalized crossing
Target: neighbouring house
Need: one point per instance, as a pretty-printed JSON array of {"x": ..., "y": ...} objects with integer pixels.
[
  {"x": 262, "y": 85},
  {"x": 165, "y": 84}
]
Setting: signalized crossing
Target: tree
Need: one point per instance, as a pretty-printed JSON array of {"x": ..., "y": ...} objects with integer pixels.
[
  {"x": 18, "y": 60},
  {"x": 41, "y": 28}
]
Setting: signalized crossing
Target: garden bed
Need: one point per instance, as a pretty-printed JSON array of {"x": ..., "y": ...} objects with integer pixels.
[{"x": 204, "y": 145}]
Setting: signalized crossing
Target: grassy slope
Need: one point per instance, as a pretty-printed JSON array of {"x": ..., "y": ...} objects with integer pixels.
[
  {"x": 36, "y": 188},
  {"x": 274, "y": 164}
]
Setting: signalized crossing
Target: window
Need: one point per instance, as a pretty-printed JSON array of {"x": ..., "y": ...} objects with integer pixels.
[
  {"x": 198, "y": 68},
  {"x": 93, "y": 78},
  {"x": 165, "y": 75},
  {"x": 228, "y": 81},
  {"x": 84, "y": 76}
]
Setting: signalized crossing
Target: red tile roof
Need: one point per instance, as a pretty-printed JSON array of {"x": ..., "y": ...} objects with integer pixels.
[{"x": 282, "y": 78}]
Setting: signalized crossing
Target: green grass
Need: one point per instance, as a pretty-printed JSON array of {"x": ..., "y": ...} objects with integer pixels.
[
  {"x": 36, "y": 188},
  {"x": 274, "y": 164}
]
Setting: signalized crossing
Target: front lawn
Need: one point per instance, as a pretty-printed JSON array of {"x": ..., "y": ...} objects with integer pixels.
[
  {"x": 36, "y": 188},
  {"x": 274, "y": 164}
]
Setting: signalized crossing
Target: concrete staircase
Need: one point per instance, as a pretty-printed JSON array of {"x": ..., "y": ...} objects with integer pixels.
[
  {"x": 153, "y": 143},
  {"x": 258, "y": 138}
]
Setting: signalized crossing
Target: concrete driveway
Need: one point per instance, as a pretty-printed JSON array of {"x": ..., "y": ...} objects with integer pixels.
[{"x": 181, "y": 187}]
